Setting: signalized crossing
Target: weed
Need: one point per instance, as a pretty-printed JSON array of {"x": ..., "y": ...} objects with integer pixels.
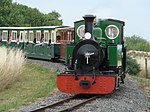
[{"x": 11, "y": 66}]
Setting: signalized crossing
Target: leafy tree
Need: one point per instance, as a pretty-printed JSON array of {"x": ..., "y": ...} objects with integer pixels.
[
  {"x": 35, "y": 17},
  {"x": 137, "y": 43},
  {"x": 15, "y": 18},
  {"x": 12, "y": 14},
  {"x": 5, "y": 9},
  {"x": 52, "y": 19}
]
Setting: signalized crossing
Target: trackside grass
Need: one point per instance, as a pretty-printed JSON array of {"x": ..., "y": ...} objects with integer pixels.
[{"x": 34, "y": 82}]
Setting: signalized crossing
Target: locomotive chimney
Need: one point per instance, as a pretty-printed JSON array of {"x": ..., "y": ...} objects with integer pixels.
[{"x": 89, "y": 25}]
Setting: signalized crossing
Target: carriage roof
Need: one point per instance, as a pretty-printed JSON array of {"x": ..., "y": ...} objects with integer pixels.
[{"x": 33, "y": 28}]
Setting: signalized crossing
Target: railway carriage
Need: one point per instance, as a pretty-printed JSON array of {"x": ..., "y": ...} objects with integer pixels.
[
  {"x": 93, "y": 59},
  {"x": 10, "y": 36},
  {"x": 45, "y": 42}
]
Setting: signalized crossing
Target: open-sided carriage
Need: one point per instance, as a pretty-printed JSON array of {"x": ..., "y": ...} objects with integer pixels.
[{"x": 45, "y": 42}]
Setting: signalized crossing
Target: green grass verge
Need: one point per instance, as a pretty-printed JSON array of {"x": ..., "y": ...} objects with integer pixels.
[
  {"x": 142, "y": 82},
  {"x": 35, "y": 82}
]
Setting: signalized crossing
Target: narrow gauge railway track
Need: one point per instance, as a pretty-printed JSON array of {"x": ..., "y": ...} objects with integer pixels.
[{"x": 67, "y": 104}]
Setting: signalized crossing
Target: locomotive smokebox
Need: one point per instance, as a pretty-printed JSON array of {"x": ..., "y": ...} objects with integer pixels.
[{"x": 89, "y": 26}]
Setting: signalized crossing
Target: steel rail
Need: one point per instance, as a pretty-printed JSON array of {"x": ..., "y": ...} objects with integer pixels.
[
  {"x": 78, "y": 105},
  {"x": 61, "y": 102},
  {"x": 52, "y": 105}
]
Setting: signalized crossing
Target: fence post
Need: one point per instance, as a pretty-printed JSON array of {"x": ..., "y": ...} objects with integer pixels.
[{"x": 146, "y": 72}]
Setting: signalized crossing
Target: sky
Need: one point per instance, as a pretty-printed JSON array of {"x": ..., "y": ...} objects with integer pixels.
[{"x": 135, "y": 13}]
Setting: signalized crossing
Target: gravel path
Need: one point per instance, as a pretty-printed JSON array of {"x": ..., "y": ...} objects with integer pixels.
[
  {"x": 129, "y": 98},
  {"x": 57, "y": 66}
]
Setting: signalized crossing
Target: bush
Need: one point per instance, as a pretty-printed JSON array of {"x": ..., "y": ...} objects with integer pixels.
[
  {"x": 133, "y": 68},
  {"x": 11, "y": 65}
]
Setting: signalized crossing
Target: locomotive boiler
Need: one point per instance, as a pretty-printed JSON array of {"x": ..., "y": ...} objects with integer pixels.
[{"x": 96, "y": 61}]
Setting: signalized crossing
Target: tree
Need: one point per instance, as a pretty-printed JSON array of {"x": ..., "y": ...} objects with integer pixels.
[
  {"x": 5, "y": 9},
  {"x": 52, "y": 19},
  {"x": 137, "y": 43},
  {"x": 15, "y": 18},
  {"x": 34, "y": 17},
  {"x": 13, "y": 14}
]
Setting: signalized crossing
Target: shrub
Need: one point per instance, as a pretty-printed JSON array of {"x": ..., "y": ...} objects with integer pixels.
[
  {"x": 133, "y": 68},
  {"x": 11, "y": 65}
]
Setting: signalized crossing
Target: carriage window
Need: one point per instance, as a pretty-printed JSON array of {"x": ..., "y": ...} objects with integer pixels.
[
  {"x": 69, "y": 36},
  {"x": 58, "y": 36},
  {"x": 72, "y": 35},
  {"x": 31, "y": 36},
  {"x": 53, "y": 35},
  {"x": 4, "y": 35},
  {"x": 21, "y": 36},
  {"x": 38, "y": 35},
  {"x": 25, "y": 36},
  {"x": 14, "y": 35},
  {"x": 65, "y": 36},
  {"x": 46, "y": 36},
  {"x": 0, "y": 35}
]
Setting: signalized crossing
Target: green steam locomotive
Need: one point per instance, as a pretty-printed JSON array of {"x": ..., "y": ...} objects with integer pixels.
[{"x": 93, "y": 59}]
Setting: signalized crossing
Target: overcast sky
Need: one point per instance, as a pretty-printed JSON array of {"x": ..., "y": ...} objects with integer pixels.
[{"x": 135, "y": 13}]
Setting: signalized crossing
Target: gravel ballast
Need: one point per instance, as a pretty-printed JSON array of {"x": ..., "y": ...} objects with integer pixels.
[{"x": 128, "y": 98}]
